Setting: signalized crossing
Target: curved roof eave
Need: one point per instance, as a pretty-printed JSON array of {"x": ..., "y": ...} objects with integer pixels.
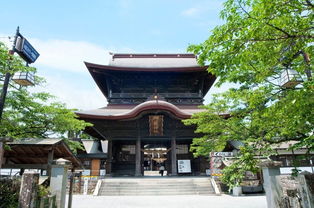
[
  {"x": 134, "y": 112},
  {"x": 91, "y": 66}
]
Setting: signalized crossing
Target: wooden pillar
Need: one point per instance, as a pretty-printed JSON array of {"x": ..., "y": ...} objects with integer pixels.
[
  {"x": 71, "y": 188},
  {"x": 173, "y": 156},
  {"x": 138, "y": 171},
  {"x": 138, "y": 161},
  {"x": 109, "y": 158},
  {"x": 80, "y": 183},
  {"x": 2, "y": 143}
]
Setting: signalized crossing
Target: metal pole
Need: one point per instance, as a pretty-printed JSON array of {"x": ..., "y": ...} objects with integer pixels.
[
  {"x": 7, "y": 78},
  {"x": 71, "y": 188},
  {"x": 4, "y": 92}
]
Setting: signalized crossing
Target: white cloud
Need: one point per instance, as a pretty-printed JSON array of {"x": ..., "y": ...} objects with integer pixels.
[
  {"x": 216, "y": 90},
  {"x": 64, "y": 54},
  {"x": 200, "y": 8},
  {"x": 191, "y": 12},
  {"x": 66, "y": 60},
  {"x": 7, "y": 40},
  {"x": 69, "y": 55},
  {"x": 82, "y": 96}
]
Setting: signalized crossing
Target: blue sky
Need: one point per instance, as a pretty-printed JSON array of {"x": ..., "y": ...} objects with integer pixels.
[{"x": 66, "y": 33}]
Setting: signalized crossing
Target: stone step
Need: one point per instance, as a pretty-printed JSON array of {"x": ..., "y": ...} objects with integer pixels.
[
  {"x": 156, "y": 186},
  {"x": 154, "y": 182},
  {"x": 181, "y": 186},
  {"x": 155, "y": 193},
  {"x": 208, "y": 191},
  {"x": 159, "y": 190}
]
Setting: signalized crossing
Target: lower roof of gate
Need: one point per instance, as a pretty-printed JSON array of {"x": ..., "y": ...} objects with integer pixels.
[{"x": 119, "y": 112}]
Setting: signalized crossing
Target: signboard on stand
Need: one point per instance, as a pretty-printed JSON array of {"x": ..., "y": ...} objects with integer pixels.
[
  {"x": 184, "y": 166},
  {"x": 216, "y": 162},
  {"x": 222, "y": 154},
  {"x": 85, "y": 189}
]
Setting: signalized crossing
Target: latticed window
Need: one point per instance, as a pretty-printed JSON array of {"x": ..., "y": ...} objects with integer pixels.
[
  {"x": 130, "y": 149},
  {"x": 182, "y": 149}
]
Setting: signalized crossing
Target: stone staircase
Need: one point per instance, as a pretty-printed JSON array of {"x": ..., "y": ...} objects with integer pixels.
[{"x": 156, "y": 186}]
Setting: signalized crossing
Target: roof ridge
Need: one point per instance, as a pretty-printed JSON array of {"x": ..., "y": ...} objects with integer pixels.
[{"x": 152, "y": 55}]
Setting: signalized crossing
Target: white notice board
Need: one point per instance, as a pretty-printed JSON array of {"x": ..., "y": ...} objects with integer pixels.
[{"x": 184, "y": 166}]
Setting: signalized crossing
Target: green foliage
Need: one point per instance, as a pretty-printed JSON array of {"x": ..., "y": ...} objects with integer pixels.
[
  {"x": 259, "y": 39},
  {"x": 74, "y": 145},
  {"x": 34, "y": 115},
  {"x": 295, "y": 172},
  {"x": 43, "y": 191},
  {"x": 10, "y": 63},
  {"x": 234, "y": 174},
  {"x": 9, "y": 193}
]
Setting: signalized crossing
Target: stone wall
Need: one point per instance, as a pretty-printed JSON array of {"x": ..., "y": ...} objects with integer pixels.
[
  {"x": 78, "y": 184},
  {"x": 294, "y": 192}
]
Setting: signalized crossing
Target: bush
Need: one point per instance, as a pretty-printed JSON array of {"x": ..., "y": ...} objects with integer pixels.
[{"x": 9, "y": 192}]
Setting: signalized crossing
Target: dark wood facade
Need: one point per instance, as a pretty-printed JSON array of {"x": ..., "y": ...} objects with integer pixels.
[{"x": 145, "y": 109}]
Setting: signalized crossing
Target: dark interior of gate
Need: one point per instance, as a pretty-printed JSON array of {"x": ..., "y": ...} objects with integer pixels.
[{"x": 148, "y": 97}]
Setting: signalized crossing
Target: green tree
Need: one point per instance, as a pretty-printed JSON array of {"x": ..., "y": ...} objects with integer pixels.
[
  {"x": 259, "y": 39},
  {"x": 33, "y": 115}
]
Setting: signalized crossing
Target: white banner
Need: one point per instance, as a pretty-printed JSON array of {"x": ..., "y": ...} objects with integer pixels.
[{"x": 184, "y": 166}]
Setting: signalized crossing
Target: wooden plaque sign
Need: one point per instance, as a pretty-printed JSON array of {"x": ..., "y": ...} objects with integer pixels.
[{"x": 156, "y": 125}]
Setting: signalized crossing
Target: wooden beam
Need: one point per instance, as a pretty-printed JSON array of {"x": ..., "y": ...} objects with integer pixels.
[
  {"x": 13, "y": 153},
  {"x": 25, "y": 166},
  {"x": 26, "y": 157},
  {"x": 18, "y": 150},
  {"x": 98, "y": 132}
]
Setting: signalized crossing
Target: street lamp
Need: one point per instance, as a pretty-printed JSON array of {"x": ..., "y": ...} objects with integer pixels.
[
  {"x": 289, "y": 78},
  {"x": 29, "y": 54},
  {"x": 24, "y": 78}
]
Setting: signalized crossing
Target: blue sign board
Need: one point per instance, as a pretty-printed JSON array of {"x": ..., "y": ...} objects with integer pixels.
[{"x": 26, "y": 50}]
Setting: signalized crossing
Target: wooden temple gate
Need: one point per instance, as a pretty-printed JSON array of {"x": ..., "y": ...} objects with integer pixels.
[{"x": 148, "y": 97}]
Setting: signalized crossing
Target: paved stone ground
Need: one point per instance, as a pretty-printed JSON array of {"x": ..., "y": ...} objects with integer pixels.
[{"x": 224, "y": 201}]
